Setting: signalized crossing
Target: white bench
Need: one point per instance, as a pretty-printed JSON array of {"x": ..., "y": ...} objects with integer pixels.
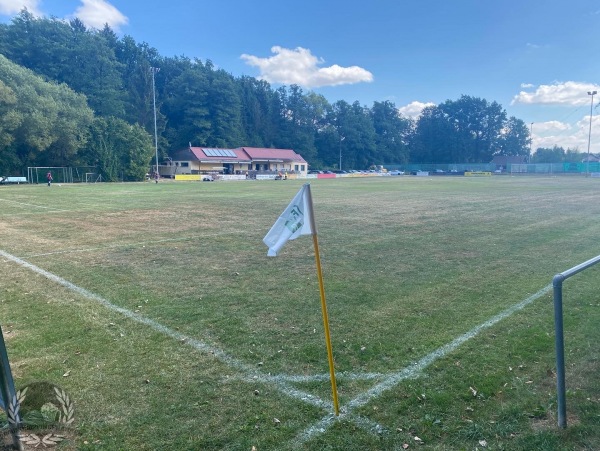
[{"x": 16, "y": 180}]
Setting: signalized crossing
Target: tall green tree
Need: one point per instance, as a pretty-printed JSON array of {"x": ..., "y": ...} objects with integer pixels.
[
  {"x": 392, "y": 133},
  {"x": 41, "y": 45},
  {"x": 137, "y": 61},
  {"x": 432, "y": 133},
  {"x": 119, "y": 150},
  {"x": 44, "y": 123},
  {"x": 555, "y": 154},
  {"x": 356, "y": 137},
  {"x": 224, "y": 108},
  {"x": 187, "y": 108},
  {"x": 468, "y": 130},
  {"x": 68, "y": 53},
  {"x": 514, "y": 138},
  {"x": 478, "y": 125},
  {"x": 296, "y": 125},
  {"x": 95, "y": 71},
  {"x": 259, "y": 112}
]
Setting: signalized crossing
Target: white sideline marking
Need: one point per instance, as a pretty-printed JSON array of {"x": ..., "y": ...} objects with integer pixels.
[
  {"x": 344, "y": 375},
  {"x": 140, "y": 243},
  {"x": 284, "y": 387},
  {"x": 411, "y": 371},
  {"x": 112, "y": 246},
  {"x": 32, "y": 205}
]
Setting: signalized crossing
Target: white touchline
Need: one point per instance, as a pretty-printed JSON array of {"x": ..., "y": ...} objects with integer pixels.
[
  {"x": 113, "y": 246},
  {"x": 344, "y": 375},
  {"x": 412, "y": 371},
  {"x": 30, "y": 205}
]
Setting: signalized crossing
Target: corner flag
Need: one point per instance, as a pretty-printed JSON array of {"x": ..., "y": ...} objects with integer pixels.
[
  {"x": 299, "y": 219},
  {"x": 293, "y": 222}
]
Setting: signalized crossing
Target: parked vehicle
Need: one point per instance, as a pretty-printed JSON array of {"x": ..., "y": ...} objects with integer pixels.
[{"x": 396, "y": 172}]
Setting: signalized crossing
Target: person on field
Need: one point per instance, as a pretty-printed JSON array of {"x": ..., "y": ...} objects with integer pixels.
[{"x": 49, "y": 178}]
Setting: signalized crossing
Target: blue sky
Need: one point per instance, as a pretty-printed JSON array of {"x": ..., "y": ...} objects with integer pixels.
[{"x": 538, "y": 59}]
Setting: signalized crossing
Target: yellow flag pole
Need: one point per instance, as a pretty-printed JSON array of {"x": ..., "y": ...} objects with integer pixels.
[{"x": 313, "y": 226}]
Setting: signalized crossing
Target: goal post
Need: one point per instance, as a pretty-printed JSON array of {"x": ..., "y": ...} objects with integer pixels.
[
  {"x": 63, "y": 174},
  {"x": 60, "y": 174},
  {"x": 92, "y": 177}
]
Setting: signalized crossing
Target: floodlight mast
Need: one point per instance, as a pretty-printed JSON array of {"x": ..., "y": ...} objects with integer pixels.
[
  {"x": 590, "y": 93},
  {"x": 155, "y": 70},
  {"x": 341, "y": 139},
  {"x": 530, "y": 141}
]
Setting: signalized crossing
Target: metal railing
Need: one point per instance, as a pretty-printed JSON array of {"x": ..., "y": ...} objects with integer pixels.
[{"x": 557, "y": 282}]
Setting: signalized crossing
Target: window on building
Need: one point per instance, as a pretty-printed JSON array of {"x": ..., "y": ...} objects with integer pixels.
[
  {"x": 185, "y": 164},
  {"x": 296, "y": 167},
  {"x": 302, "y": 168}
]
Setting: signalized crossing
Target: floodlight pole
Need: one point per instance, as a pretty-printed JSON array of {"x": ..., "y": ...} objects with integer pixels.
[
  {"x": 530, "y": 141},
  {"x": 155, "y": 70},
  {"x": 341, "y": 139},
  {"x": 590, "y": 93}
]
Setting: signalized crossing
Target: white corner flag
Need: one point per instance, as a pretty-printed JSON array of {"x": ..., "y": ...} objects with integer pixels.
[{"x": 293, "y": 222}]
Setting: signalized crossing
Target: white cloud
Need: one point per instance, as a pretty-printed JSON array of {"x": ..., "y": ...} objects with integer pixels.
[
  {"x": 568, "y": 136},
  {"x": 527, "y": 85},
  {"x": 551, "y": 127},
  {"x": 97, "y": 13},
  {"x": 299, "y": 66},
  {"x": 12, "y": 7},
  {"x": 570, "y": 93},
  {"x": 414, "y": 109}
]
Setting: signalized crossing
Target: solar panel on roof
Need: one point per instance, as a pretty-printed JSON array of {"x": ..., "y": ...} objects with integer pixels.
[{"x": 219, "y": 153}]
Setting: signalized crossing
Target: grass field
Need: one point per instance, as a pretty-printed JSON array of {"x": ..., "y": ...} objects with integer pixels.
[{"x": 156, "y": 308}]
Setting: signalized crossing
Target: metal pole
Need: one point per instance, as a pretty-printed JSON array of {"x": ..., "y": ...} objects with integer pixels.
[
  {"x": 7, "y": 389},
  {"x": 560, "y": 351},
  {"x": 313, "y": 225},
  {"x": 590, "y": 93},
  {"x": 341, "y": 139},
  {"x": 154, "y": 70},
  {"x": 530, "y": 141},
  {"x": 557, "y": 283}
]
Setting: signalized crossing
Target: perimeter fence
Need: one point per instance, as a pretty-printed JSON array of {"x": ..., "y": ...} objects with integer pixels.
[{"x": 592, "y": 168}]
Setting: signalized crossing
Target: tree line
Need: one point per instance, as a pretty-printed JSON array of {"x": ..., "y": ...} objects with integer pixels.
[
  {"x": 557, "y": 154},
  {"x": 76, "y": 96}
]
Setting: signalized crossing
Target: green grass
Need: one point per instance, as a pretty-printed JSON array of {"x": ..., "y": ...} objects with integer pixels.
[{"x": 410, "y": 264}]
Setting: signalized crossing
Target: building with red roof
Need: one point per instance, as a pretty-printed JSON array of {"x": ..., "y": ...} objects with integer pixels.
[{"x": 242, "y": 160}]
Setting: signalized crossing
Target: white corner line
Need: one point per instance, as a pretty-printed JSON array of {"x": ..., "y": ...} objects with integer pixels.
[
  {"x": 198, "y": 345},
  {"x": 411, "y": 371},
  {"x": 281, "y": 382}
]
